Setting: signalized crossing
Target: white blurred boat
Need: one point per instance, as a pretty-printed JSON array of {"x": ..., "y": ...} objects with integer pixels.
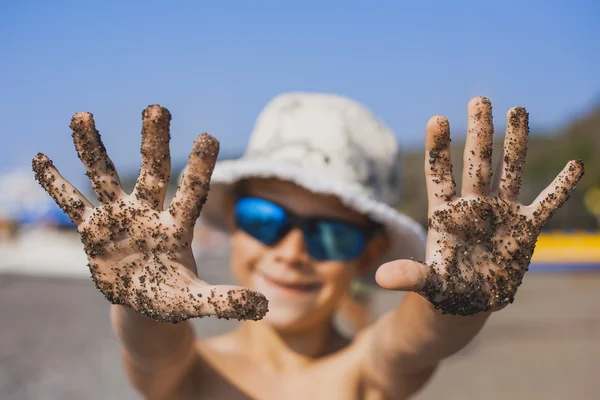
[
  {"x": 36, "y": 236},
  {"x": 44, "y": 251}
]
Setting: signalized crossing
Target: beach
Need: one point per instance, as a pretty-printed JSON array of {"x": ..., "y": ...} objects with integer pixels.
[{"x": 56, "y": 341}]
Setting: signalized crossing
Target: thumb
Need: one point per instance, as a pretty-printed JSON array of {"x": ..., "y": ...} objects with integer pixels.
[
  {"x": 222, "y": 301},
  {"x": 231, "y": 302},
  {"x": 405, "y": 275}
]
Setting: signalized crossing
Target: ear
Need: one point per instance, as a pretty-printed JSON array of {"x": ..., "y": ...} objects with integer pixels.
[{"x": 378, "y": 245}]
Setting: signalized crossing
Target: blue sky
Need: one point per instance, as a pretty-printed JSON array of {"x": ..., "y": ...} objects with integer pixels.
[{"x": 215, "y": 65}]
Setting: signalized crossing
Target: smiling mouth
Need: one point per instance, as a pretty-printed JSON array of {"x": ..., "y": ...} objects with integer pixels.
[{"x": 297, "y": 286}]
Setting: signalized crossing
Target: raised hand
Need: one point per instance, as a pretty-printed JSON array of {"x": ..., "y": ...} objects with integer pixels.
[
  {"x": 139, "y": 254},
  {"x": 479, "y": 245}
]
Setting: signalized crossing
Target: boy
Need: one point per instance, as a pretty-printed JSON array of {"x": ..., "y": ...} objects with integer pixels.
[{"x": 309, "y": 209}]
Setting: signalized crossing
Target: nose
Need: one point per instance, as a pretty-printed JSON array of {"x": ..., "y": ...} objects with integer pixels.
[{"x": 291, "y": 249}]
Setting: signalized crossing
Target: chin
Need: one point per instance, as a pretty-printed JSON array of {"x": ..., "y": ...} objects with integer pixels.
[{"x": 283, "y": 320}]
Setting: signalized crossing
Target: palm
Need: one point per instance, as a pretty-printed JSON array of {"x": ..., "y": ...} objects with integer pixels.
[
  {"x": 480, "y": 248},
  {"x": 139, "y": 254},
  {"x": 480, "y": 244},
  {"x": 139, "y": 257}
]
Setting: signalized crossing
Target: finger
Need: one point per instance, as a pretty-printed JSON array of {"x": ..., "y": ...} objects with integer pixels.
[
  {"x": 441, "y": 187},
  {"x": 151, "y": 185},
  {"x": 559, "y": 191},
  {"x": 230, "y": 302},
  {"x": 69, "y": 199},
  {"x": 514, "y": 153},
  {"x": 92, "y": 153},
  {"x": 477, "y": 157},
  {"x": 406, "y": 275},
  {"x": 193, "y": 189}
]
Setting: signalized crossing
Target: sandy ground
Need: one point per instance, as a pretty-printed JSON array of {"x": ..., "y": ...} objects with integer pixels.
[{"x": 56, "y": 341}]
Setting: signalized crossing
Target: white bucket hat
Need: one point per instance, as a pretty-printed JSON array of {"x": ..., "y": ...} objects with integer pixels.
[{"x": 327, "y": 144}]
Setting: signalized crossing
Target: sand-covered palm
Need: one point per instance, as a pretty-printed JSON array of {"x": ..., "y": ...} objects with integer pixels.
[
  {"x": 139, "y": 253},
  {"x": 479, "y": 245}
]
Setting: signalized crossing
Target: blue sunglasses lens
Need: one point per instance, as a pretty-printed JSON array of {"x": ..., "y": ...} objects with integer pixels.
[
  {"x": 333, "y": 240},
  {"x": 261, "y": 219},
  {"x": 325, "y": 240}
]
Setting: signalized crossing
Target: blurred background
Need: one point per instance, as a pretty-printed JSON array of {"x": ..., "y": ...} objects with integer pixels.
[{"x": 214, "y": 66}]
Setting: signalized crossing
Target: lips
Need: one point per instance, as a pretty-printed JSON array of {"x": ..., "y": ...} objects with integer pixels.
[{"x": 302, "y": 286}]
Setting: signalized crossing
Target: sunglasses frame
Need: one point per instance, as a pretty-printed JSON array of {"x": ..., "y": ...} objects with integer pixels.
[{"x": 297, "y": 221}]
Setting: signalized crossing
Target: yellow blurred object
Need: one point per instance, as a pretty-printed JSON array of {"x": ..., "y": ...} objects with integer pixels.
[
  {"x": 571, "y": 247},
  {"x": 591, "y": 199}
]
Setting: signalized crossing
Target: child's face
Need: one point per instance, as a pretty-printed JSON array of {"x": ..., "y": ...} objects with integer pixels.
[{"x": 302, "y": 291}]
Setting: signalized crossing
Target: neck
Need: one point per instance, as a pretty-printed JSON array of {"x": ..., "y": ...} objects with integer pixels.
[{"x": 288, "y": 350}]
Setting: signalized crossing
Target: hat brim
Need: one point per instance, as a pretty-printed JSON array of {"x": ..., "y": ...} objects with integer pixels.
[{"x": 407, "y": 237}]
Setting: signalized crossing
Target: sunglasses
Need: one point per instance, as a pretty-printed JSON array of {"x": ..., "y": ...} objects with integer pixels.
[{"x": 325, "y": 239}]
